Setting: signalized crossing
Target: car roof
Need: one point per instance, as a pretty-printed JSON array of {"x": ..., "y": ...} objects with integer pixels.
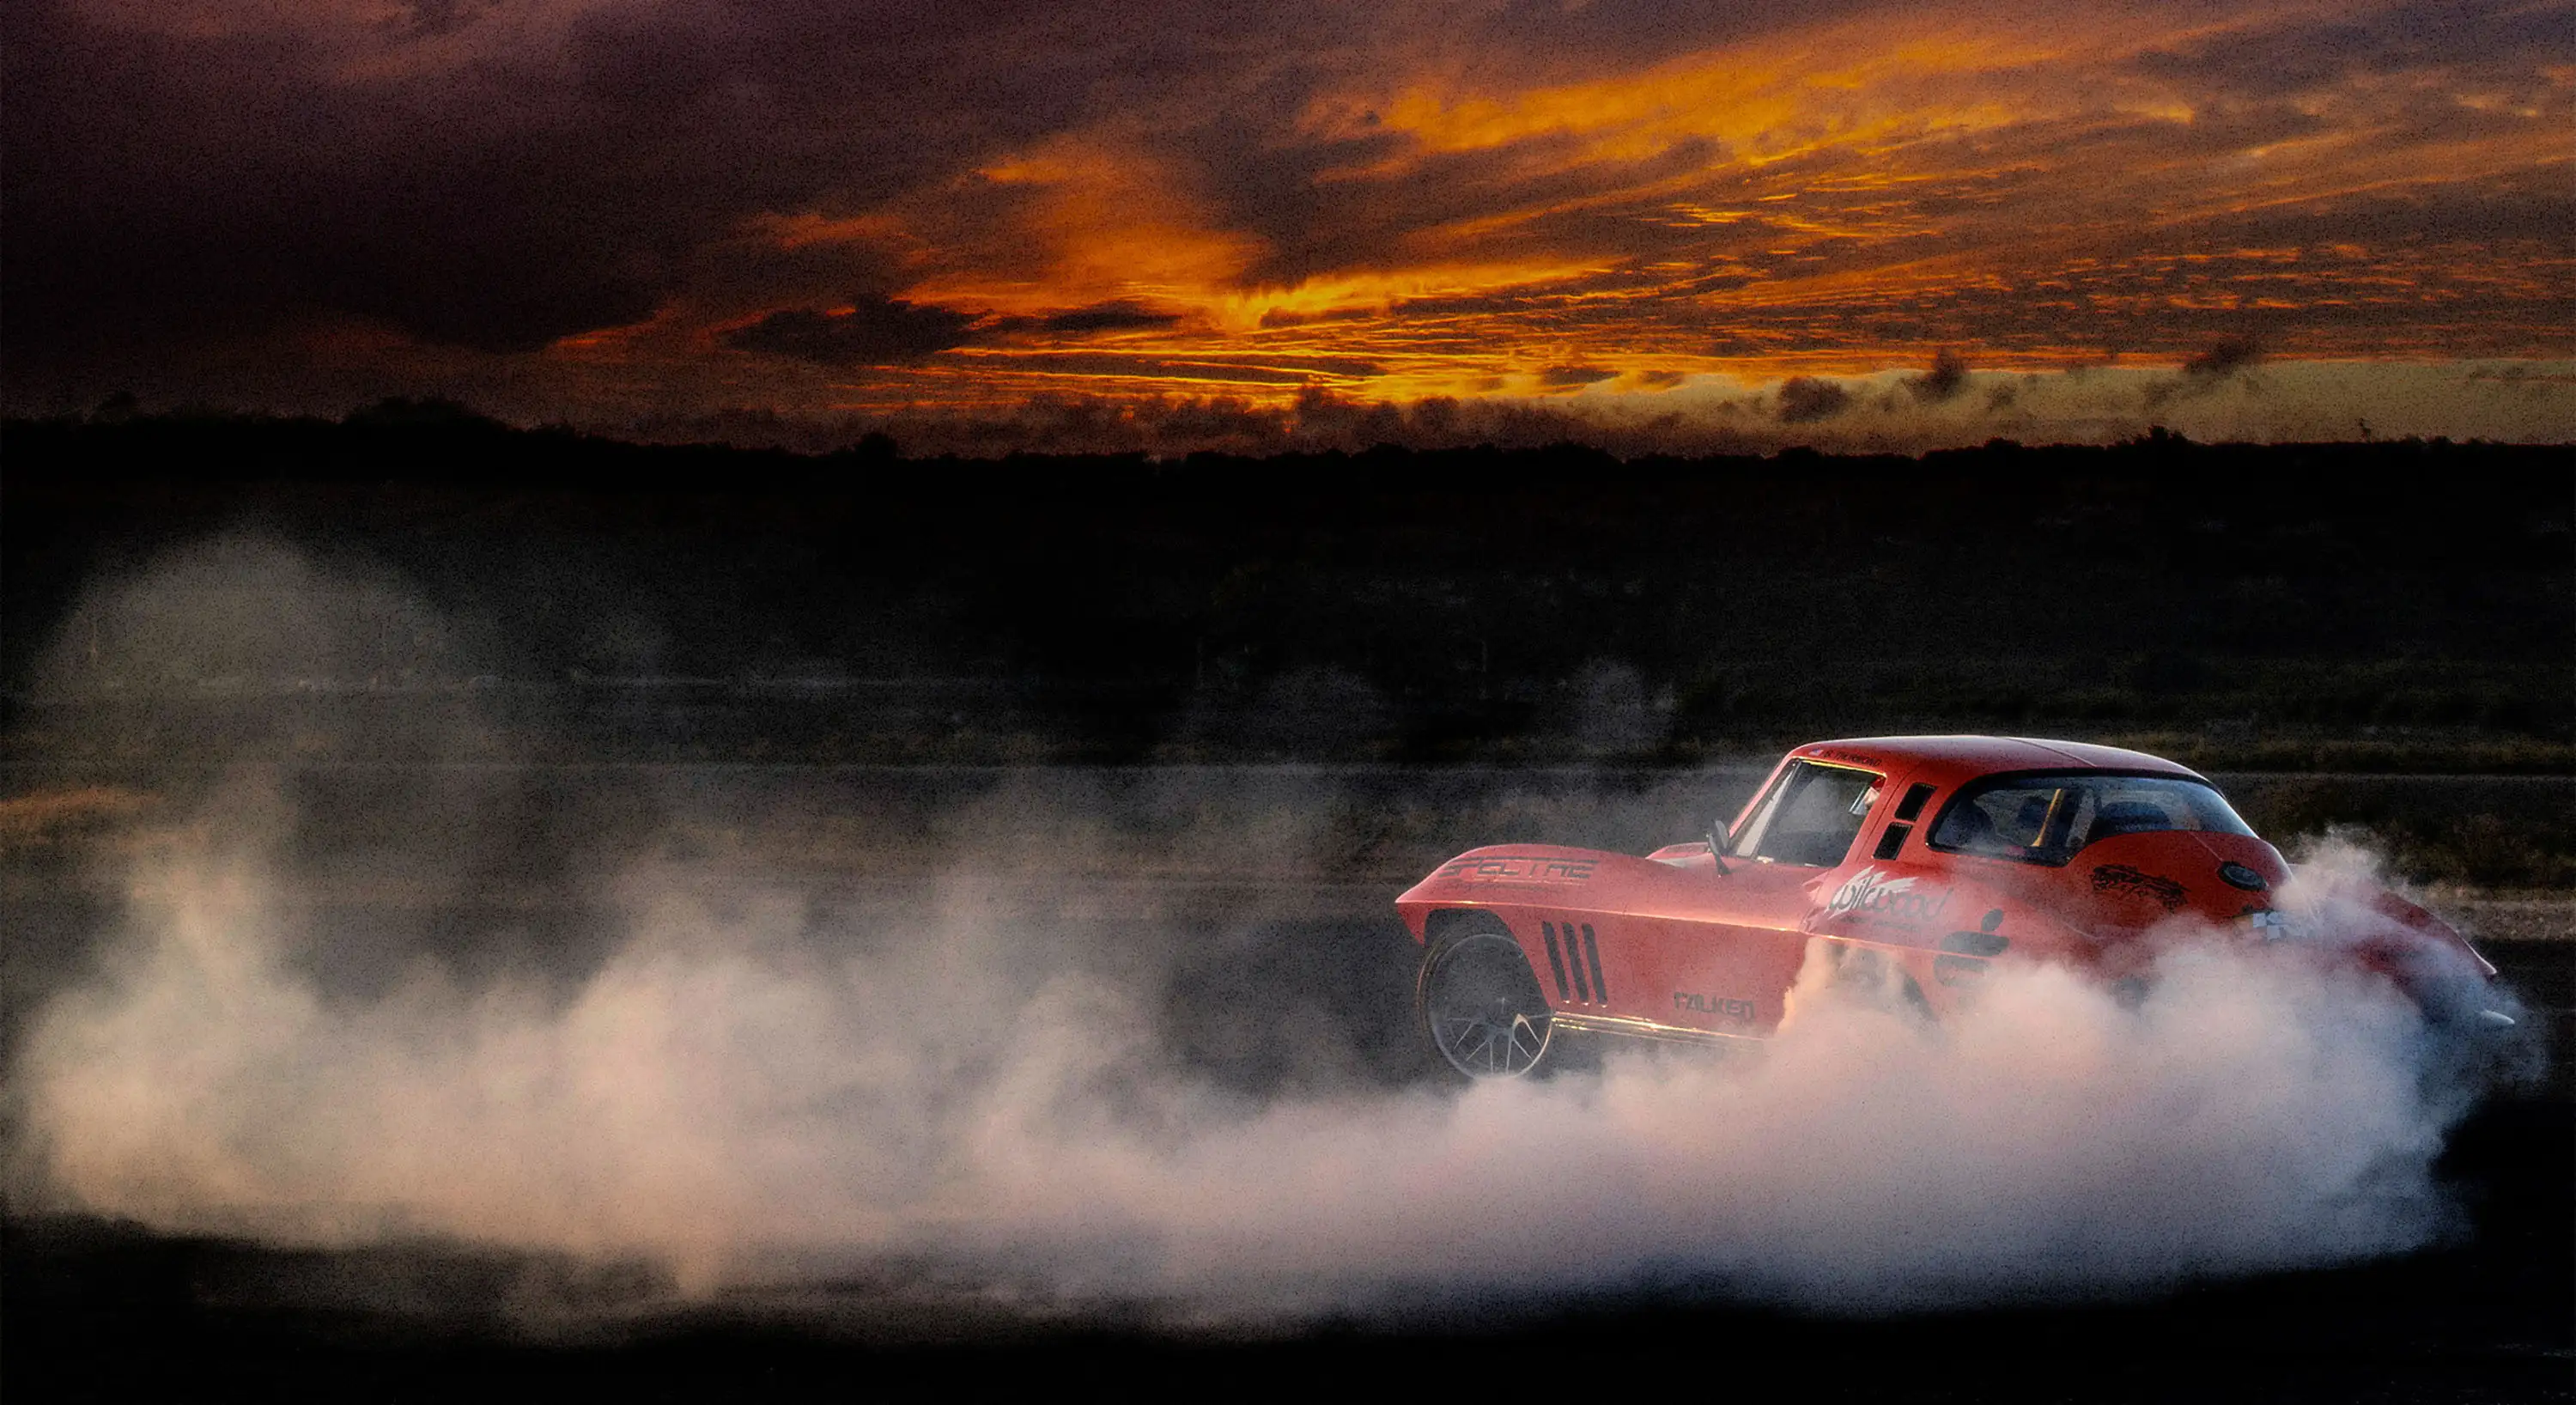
[{"x": 1948, "y": 761}]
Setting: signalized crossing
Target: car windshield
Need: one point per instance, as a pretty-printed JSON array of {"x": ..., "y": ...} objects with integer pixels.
[
  {"x": 2049, "y": 818},
  {"x": 1810, "y": 816}
]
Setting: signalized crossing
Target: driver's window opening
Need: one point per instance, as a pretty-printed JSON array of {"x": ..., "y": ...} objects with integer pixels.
[{"x": 1810, "y": 817}]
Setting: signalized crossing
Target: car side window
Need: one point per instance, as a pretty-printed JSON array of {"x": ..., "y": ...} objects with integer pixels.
[
  {"x": 1810, "y": 817},
  {"x": 2048, "y": 818}
]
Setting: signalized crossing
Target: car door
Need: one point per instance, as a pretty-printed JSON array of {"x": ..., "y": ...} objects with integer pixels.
[{"x": 1730, "y": 967}]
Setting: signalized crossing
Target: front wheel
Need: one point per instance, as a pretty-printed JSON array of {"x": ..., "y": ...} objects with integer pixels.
[{"x": 1481, "y": 1005}]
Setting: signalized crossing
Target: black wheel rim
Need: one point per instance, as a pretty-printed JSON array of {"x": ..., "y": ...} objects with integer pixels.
[{"x": 1484, "y": 1008}]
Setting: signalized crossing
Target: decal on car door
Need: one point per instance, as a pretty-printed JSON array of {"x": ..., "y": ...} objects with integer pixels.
[{"x": 1873, "y": 896}]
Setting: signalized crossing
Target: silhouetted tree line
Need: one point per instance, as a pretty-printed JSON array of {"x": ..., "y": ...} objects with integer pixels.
[{"x": 1394, "y": 603}]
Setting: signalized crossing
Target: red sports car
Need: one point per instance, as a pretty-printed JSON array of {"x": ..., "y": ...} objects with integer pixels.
[{"x": 1923, "y": 859}]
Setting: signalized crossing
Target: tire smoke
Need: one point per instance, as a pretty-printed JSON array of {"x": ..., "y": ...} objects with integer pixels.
[{"x": 732, "y": 1093}]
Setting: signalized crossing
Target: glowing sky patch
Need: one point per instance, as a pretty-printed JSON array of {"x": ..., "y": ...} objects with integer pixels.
[{"x": 609, "y": 211}]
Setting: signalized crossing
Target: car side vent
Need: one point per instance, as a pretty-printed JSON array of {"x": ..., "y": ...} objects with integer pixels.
[
  {"x": 1576, "y": 955},
  {"x": 1908, "y": 811},
  {"x": 1592, "y": 955},
  {"x": 1556, "y": 959}
]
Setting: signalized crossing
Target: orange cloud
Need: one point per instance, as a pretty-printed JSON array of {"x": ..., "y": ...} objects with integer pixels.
[{"x": 800, "y": 207}]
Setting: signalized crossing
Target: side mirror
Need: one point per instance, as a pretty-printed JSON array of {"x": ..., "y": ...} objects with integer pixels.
[{"x": 1718, "y": 838}]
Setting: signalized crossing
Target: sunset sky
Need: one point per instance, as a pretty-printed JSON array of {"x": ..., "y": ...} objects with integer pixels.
[{"x": 1647, "y": 222}]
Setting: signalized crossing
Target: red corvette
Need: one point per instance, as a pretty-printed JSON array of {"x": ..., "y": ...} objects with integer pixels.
[{"x": 1922, "y": 860}]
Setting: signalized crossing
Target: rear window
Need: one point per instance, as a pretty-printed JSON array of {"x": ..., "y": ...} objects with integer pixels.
[
  {"x": 2050, "y": 818},
  {"x": 1810, "y": 817}
]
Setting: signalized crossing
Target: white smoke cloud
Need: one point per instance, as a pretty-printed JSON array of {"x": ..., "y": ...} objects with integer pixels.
[{"x": 741, "y": 1097}]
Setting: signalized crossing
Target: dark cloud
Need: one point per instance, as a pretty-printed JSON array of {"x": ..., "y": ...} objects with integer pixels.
[
  {"x": 1948, "y": 376},
  {"x": 2205, "y": 371},
  {"x": 1247, "y": 369},
  {"x": 1570, "y": 377},
  {"x": 2297, "y": 54},
  {"x": 1278, "y": 317},
  {"x": 1121, "y": 315},
  {"x": 1075, "y": 323},
  {"x": 877, "y": 331},
  {"x": 1381, "y": 214},
  {"x": 2516, "y": 206},
  {"x": 1806, "y": 399},
  {"x": 429, "y": 19},
  {"x": 2222, "y": 358},
  {"x": 166, "y": 190},
  {"x": 1556, "y": 40}
]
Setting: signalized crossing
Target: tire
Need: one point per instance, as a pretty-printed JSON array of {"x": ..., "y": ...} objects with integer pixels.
[{"x": 1480, "y": 1005}]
